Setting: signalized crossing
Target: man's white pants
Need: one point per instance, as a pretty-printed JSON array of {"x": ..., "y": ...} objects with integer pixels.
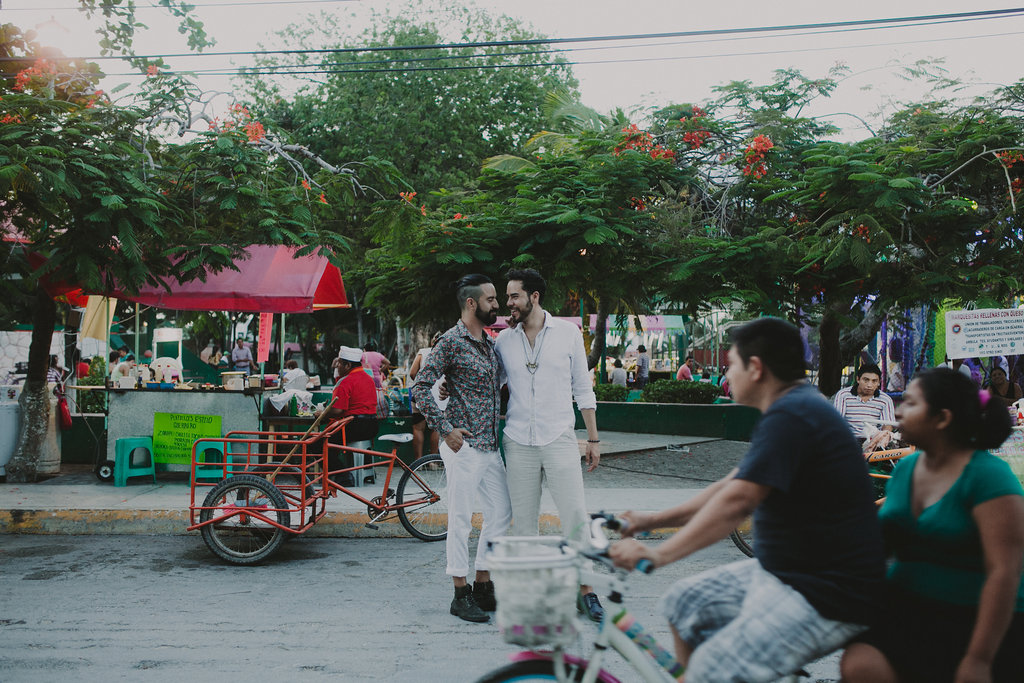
[
  {"x": 472, "y": 473},
  {"x": 559, "y": 463}
]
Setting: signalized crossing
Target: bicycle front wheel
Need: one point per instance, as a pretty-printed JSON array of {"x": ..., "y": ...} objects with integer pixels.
[
  {"x": 242, "y": 538},
  {"x": 533, "y": 670},
  {"x": 743, "y": 537},
  {"x": 422, "y": 516}
]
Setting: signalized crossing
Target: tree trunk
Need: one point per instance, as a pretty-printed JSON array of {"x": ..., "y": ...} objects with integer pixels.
[
  {"x": 35, "y": 399},
  {"x": 830, "y": 365},
  {"x": 600, "y": 328},
  {"x": 852, "y": 341}
]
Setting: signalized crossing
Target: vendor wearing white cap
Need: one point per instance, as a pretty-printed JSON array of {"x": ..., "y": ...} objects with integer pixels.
[{"x": 355, "y": 395}]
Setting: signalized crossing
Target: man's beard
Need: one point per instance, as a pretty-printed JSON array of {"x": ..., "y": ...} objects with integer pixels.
[
  {"x": 488, "y": 318},
  {"x": 516, "y": 316}
]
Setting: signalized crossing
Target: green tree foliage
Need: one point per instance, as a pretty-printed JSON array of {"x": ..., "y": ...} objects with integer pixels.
[
  {"x": 583, "y": 213},
  {"x": 436, "y": 114},
  {"x": 838, "y": 233},
  {"x": 95, "y": 189}
]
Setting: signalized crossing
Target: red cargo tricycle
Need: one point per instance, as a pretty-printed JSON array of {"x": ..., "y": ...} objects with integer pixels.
[{"x": 260, "y": 488}]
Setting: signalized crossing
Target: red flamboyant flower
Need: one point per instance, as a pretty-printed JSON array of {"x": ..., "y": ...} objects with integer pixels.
[
  {"x": 754, "y": 156},
  {"x": 152, "y": 70},
  {"x": 323, "y": 199},
  {"x": 457, "y": 216},
  {"x": 306, "y": 185},
  {"x": 255, "y": 131}
]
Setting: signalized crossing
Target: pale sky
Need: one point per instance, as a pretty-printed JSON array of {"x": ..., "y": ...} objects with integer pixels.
[{"x": 665, "y": 70}]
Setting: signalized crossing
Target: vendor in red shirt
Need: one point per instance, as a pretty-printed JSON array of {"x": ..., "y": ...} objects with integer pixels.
[{"x": 355, "y": 395}]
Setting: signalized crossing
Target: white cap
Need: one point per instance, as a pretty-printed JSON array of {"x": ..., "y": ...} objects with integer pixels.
[{"x": 351, "y": 354}]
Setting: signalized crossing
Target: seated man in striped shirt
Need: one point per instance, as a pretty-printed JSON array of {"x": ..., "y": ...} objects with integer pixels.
[{"x": 864, "y": 404}]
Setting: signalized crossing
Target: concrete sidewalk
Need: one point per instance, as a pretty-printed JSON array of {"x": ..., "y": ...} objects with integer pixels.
[{"x": 75, "y": 502}]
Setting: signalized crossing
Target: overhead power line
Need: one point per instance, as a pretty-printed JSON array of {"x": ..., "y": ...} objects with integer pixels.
[
  {"x": 922, "y": 19},
  {"x": 231, "y": 3},
  {"x": 326, "y": 69}
]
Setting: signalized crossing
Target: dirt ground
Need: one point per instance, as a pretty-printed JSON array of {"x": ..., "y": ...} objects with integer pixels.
[{"x": 691, "y": 466}]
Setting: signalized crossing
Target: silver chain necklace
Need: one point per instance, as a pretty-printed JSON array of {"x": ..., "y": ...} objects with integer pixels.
[{"x": 532, "y": 363}]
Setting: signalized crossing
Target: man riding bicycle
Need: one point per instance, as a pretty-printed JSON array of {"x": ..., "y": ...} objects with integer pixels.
[{"x": 818, "y": 558}]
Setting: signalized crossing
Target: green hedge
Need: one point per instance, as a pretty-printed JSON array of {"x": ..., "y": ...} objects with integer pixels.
[
  {"x": 611, "y": 392},
  {"x": 674, "y": 391}
]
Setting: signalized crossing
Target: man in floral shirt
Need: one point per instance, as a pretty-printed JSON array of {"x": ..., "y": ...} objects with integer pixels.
[{"x": 465, "y": 356}]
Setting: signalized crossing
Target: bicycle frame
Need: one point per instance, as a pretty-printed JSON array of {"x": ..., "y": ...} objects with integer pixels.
[
  {"x": 636, "y": 650},
  {"x": 242, "y": 452}
]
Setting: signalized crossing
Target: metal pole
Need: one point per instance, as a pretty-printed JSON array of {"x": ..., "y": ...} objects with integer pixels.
[{"x": 137, "y": 357}]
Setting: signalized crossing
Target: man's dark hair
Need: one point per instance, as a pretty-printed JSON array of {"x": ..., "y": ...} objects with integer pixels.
[
  {"x": 618, "y": 363},
  {"x": 688, "y": 358},
  {"x": 641, "y": 349},
  {"x": 469, "y": 287},
  {"x": 369, "y": 346},
  {"x": 776, "y": 342},
  {"x": 869, "y": 368},
  {"x": 532, "y": 281}
]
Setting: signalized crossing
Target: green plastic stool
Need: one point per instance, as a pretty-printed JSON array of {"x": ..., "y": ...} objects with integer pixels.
[
  {"x": 124, "y": 449},
  {"x": 210, "y": 451}
]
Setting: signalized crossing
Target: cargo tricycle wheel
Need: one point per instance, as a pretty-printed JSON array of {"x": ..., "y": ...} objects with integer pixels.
[
  {"x": 241, "y": 537},
  {"x": 423, "y": 519}
]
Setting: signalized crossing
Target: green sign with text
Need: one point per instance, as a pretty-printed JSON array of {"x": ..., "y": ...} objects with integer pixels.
[{"x": 174, "y": 434}]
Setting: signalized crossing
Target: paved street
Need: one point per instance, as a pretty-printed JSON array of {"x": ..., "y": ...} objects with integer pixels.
[{"x": 162, "y": 608}]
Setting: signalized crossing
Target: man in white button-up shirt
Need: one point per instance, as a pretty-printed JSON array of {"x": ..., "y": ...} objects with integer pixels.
[{"x": 545, "y": 367}]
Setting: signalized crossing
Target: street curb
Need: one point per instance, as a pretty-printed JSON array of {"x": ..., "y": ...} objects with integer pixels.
[{"x": 86, "y": 522}]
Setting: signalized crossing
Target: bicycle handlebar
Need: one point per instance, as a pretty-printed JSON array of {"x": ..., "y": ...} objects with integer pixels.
[{"x": 599, "y": 541}]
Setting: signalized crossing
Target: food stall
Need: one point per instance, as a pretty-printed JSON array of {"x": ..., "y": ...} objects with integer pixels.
[{"x": 174, "y": 412}]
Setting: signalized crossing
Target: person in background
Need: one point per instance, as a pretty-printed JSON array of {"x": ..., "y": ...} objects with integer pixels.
[
  {"x": 803, "y": 477},
  {"x": 468, "y": 425},
  {"x": 1000, "y": 387},
  {"x": 377, "y": 363},
  {"x": 953, "y": 520},
  {"x": 864, "y": 404},
  {"x": 54, "y": 373},
  {"x": 124, "y": 368},
  {"x": 113, "y": 360},
  {"x": 215, "y": 356},
  {"x": 419, "y": 424},
  {"x": 685, "y": 371},
  {"x": 705, "y": 374},
  {"x": 618, "y": 374},
  {"x": 82, "y": 365},
  {"x": 354, "y": 395},
  {"x": 207, "y": 351},
  {"x": 643, "y": 367},
  {"x": 241, "y": 357}
]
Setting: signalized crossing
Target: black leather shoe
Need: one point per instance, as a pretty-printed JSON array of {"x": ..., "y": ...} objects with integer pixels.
[
  {"x": 483, "y": 596},
  {"x": 465, "y": 608},
  {"x": 590, "y": 606}
]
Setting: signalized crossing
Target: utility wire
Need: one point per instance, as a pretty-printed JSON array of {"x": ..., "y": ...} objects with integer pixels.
[
  {"x": 233, "y": 3},
  {"x": 303, "y": 70},
  {"x": 592, "y": 39},
  {"x": 271, "y": 68}
]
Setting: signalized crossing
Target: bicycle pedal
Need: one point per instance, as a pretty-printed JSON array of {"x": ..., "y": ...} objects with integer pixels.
[{"x": 370, "y": 525}]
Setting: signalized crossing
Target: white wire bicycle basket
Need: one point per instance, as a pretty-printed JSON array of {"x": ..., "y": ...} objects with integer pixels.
[{"x": 536, "y": 580}]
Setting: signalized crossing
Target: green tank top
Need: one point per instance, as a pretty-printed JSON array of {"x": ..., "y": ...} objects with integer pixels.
[{"x": 939, "y": 554}]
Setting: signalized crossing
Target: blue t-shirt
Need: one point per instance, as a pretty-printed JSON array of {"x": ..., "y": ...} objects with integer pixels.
[
  {"x": 818, "y": 529},
  {"x": 939, "y": 554}
]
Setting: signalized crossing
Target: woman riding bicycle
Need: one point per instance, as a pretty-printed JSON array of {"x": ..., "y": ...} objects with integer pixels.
[{"x": 954, "y": 522}]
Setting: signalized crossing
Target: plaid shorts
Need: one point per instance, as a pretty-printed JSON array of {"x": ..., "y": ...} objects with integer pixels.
[{"x": 745, "y": 625}]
